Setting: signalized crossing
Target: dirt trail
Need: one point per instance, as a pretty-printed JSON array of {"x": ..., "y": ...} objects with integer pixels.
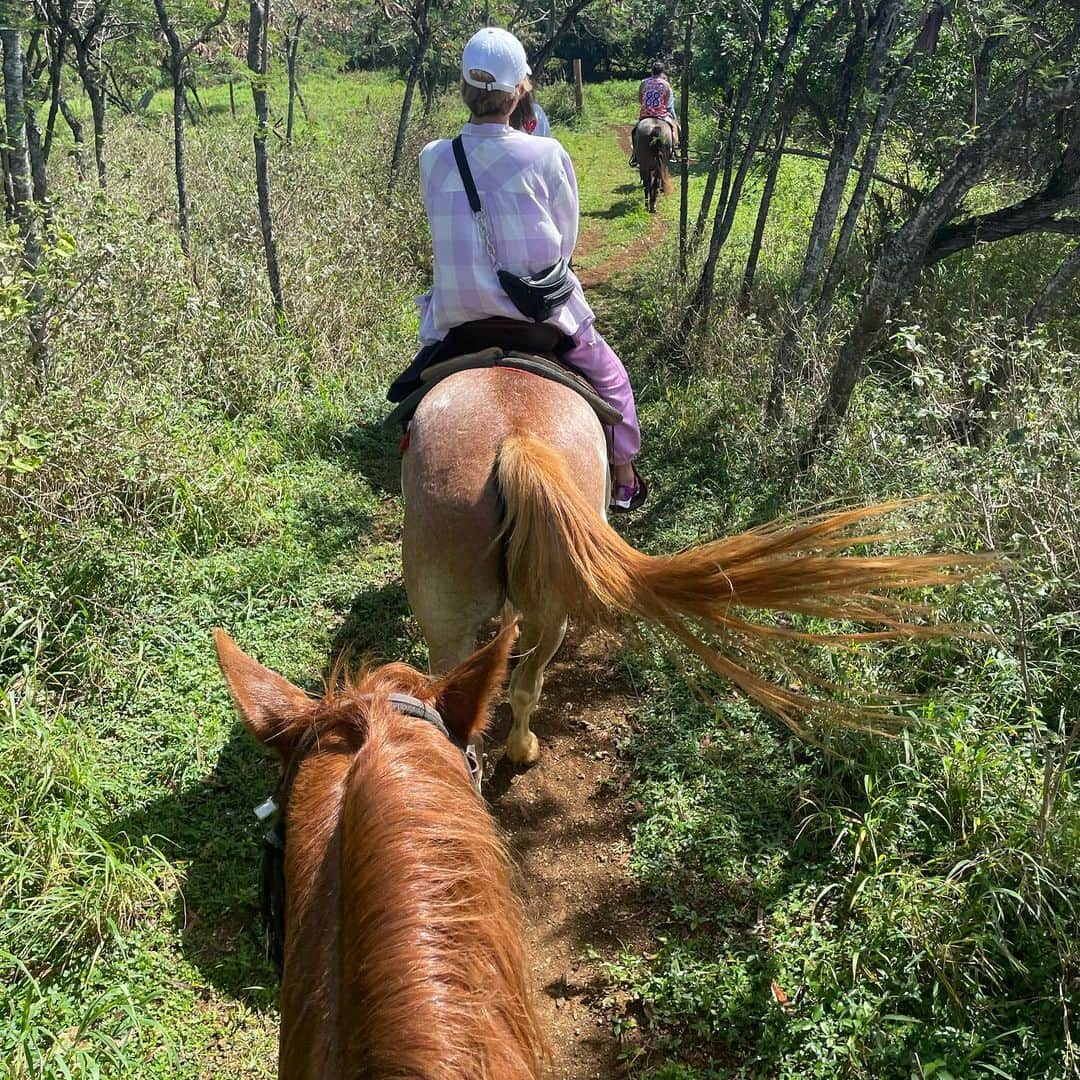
[
  {"x": 565, "y": 818},
  {"x": 569, "y": 834},
  {"x": 591, "y": 236}
]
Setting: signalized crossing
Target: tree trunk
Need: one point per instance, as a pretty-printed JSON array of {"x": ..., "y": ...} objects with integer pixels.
[
  {"x": 180, "y": 162},
  {"x": 8, "y": 185},
  {"x": 763, "y": 208},
  {"x": 422, "y": 42},
  {"x": 716, "y": 159},
  {"x": 292, "y": 47},
  {"x": 862, "y": 186},
  {"x": 980, "y": 92},
  {"x": 36, "y": 151},
  {"x": 176, "y": 73},
  {"x": 907, "y": 250},
  {"x": 18, "y": 160},
  {"x": 851, "y": 124},
  {"x": 75, "y": 124},
  {"x": 56, "y": 40},
  {"x": 258, "y": 58},
  {"x": 95, "y": 91},
  {"x": 727, "y": 155},
  {"x": 539, "y": 59},
  {"x": 1042, "y": 309},
  {"x": 684, "y": 115},
  {"x": 698, "y": 308}
]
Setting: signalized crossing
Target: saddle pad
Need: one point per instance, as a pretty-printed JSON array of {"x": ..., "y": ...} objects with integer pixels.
[{"x": 496, "y": 357}]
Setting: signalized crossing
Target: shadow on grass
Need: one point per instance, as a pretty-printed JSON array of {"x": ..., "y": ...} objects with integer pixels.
[
  {"x": 210, "y": 830},
  {"x": 622, "y": 208},
  {"x": 372, "y": 453},
  {"x": 376, "y": 626}
]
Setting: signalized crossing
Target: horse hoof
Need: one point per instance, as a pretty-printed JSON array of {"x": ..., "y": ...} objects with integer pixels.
[{"x": 523, "y": 751}]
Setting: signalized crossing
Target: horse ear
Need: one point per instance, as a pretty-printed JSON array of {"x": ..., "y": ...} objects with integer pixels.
[
  {"x": 463, "y": 696},
  {"x": 266, "y": 702}
]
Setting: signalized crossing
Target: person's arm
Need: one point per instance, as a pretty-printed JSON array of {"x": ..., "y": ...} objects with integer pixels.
[
  {"x": 543, "y": 124},
  {"x": 671, "y": 103},
  {"x": 564, "y": 202}
]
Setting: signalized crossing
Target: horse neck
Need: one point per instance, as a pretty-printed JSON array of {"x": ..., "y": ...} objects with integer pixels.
[{"x": 410, "y": 962}]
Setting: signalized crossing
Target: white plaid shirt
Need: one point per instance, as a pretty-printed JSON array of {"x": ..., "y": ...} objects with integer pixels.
[{"x": 528, "y": 192}]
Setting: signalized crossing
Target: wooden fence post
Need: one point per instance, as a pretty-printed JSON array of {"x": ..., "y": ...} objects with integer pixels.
[{"x": 579, "y": 86}]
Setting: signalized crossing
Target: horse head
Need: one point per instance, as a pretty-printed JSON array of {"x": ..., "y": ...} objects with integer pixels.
[{"x": 403, "y": 948}]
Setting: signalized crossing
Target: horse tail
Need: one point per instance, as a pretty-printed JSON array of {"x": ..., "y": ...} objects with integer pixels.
[
  {"x": 559, "y": 548},
  {"x": 660, "y": 151}
]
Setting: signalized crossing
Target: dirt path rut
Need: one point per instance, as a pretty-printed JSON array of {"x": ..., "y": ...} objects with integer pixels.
[{"x": 569, "y": 834}]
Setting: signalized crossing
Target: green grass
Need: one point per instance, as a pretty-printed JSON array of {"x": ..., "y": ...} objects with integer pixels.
[{"x": 192, "y": 467}]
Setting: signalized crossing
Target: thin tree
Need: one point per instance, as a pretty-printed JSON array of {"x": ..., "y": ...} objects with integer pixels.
[
  {"x": 786, "y": 114},
  {"x": 177, "y": 63},
  {"x": 293, "y": 29},
  {"x": 852, "y": 117},
  {"x": 684, "y": 115},
  {"x": 422, "y": 31},
  {"x": 21, "y": 191},
  {"x": 84, "y": 27},
  {"x": 725, "y": 157},
  {"x": 698, "y": 307},
  {"x": 924, "y": 44},
  {"x": 258, "y": 58}
]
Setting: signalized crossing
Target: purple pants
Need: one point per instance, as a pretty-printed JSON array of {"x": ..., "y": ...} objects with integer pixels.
[{"x": 594, "y": 358}]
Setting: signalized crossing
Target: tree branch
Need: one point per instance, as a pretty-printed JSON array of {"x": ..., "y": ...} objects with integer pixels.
[{"x": 817, "y": 155}]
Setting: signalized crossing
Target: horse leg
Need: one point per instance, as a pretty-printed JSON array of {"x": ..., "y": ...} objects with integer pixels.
[
  {"x": 539, "y": 641},
  {"x": 450, "y": 600}
]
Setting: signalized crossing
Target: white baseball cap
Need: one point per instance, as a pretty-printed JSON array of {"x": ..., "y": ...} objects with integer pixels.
[{"x": 498, "y": 53}]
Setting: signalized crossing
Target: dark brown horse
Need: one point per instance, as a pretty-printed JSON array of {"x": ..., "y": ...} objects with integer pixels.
[
  {"x": 403, "y": 945},
  {"x": 652, "y": 149}
]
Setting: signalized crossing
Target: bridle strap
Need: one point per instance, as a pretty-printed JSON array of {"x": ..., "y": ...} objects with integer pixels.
[{"x": 272, "y": 811}]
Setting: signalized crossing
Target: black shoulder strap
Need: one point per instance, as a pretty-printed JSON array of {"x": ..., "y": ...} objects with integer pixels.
[{"x": 466, "y": 174}]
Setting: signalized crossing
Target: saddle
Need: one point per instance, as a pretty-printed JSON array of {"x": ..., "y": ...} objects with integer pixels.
[
  {"x": 536, "y": 348},
  {"x": 673, "y": 128}
]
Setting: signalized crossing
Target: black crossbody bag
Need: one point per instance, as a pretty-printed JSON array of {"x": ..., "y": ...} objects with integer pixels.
[{"x": 536, "y": 296}]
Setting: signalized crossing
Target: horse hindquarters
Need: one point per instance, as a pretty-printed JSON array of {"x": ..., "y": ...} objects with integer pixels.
[
  {"x": 455, "y": 535},
  {"x": 450, "y": 553}
]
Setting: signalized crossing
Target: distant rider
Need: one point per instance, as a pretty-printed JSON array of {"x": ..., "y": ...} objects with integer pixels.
[{"x": 657, "y": 100}]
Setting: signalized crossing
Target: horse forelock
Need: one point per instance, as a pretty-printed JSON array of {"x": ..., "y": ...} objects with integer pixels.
[{"x": 395, "y": 860}]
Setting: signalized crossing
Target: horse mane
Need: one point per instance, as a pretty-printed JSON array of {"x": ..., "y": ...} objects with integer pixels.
[{"x": 430, "y": 957}]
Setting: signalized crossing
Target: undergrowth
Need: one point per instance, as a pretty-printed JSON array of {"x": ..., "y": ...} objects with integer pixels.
[{"x": 886, "y": 909}]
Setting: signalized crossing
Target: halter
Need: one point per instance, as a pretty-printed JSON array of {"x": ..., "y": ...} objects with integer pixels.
[{"x": 272, "y": 810}]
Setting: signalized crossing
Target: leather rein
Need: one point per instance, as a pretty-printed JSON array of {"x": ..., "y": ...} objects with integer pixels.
[{"x": 272, "y": 812}]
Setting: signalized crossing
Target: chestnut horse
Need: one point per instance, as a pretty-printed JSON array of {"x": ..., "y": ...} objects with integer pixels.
[
  {"x": 403, "y": 946},
  {"x": 652, "y": 149},
  {"x": 506, "y": 487}
]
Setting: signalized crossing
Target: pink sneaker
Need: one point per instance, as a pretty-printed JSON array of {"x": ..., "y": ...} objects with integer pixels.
[{"x": 625, "y": 499}]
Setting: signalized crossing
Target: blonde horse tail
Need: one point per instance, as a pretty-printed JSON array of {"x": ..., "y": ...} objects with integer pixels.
[{"x": 559, "y": 548}]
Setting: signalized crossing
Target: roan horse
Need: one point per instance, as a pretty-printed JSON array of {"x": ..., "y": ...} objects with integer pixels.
[
  {"x": 652, "y": 149},
  {"x": 506, "y": 483},
  {"x": 403, "y": 945}
]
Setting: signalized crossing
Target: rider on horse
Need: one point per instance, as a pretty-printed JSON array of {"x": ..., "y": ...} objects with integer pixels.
[
  {"x": 657, "y": 100},
  {"x": 529, "y": 198}
]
